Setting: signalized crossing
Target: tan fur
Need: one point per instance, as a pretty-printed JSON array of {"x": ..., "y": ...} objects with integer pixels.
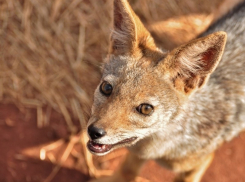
[{"x": 191, "y": 115}]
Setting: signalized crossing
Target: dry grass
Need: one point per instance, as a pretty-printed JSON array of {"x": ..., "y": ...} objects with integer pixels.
[
  {"x": 51, "y": 51},
  {"x": 50, "y": 54}
]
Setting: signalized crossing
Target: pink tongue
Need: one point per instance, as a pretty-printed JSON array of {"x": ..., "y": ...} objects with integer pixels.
[{"x": 98, "y": 146}]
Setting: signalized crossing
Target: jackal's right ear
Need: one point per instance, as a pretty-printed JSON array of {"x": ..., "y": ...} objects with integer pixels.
[{"x": 129, "y": 35}]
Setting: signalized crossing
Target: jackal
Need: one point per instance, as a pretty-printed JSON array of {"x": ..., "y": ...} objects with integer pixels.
[{"x": 174, "y": 107}]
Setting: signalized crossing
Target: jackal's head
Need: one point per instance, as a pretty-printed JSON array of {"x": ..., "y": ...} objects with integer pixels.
[{"x": 142, "y": 88}]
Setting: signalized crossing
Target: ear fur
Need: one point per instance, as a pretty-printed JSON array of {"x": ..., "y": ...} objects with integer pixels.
[
  {"x": 190, "y": 65},
  {"x": 129, "y": 34}
]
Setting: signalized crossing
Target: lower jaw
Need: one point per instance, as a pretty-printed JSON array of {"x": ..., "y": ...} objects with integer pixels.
[{"x": 100, "y": 153}]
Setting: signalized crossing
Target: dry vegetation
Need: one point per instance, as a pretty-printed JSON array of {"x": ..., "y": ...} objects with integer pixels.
[
  {"x": 51, "y": 51},
  {"x": 50, "y": 55}
]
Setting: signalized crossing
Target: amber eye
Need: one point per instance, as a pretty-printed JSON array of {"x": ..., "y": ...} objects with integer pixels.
[
  {"x": 106, "y": 88},
  {"x": 145, "y": 109}
]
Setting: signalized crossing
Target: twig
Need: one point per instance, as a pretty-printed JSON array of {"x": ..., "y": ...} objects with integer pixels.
[{"x": 62, "y": 160}]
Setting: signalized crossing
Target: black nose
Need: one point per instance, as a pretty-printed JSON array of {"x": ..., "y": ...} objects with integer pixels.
[{"x": 95, "y": 133}]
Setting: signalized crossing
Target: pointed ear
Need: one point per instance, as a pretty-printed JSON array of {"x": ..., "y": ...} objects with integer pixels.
[
  {"x": 129, "y": 34},
  {"x": 189, "y": 66}
]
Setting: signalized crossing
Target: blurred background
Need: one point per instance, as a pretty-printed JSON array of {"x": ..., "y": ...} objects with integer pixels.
[{"x": 50, "y": 58}]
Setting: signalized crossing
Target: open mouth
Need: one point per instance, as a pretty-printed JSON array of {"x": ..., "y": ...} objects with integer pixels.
[{"x": 104, "y": 148}]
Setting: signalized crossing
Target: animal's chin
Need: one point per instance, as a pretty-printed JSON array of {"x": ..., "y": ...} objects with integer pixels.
[{"x": 102, "y": 149}]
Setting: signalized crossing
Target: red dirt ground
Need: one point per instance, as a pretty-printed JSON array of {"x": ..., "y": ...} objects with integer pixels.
[{"x": 19, "y": 132}]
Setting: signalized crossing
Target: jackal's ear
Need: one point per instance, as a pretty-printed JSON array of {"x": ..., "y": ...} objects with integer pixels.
[
  {"x": 129, "y": 34},
  {"x": 189, "y": 66}
]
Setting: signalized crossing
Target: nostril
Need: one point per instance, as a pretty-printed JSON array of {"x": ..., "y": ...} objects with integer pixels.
[{"x": 95, "y": 132}]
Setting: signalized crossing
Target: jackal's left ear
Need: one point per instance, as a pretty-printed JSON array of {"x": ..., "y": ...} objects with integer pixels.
[
  {"x": 129, "y": 34},
  {"x": 189, "y": 66}
]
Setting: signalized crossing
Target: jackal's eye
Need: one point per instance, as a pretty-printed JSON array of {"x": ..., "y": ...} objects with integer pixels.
[
  {"x": 145, "y": 109},
  {"x": 106, "y": 88}
]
